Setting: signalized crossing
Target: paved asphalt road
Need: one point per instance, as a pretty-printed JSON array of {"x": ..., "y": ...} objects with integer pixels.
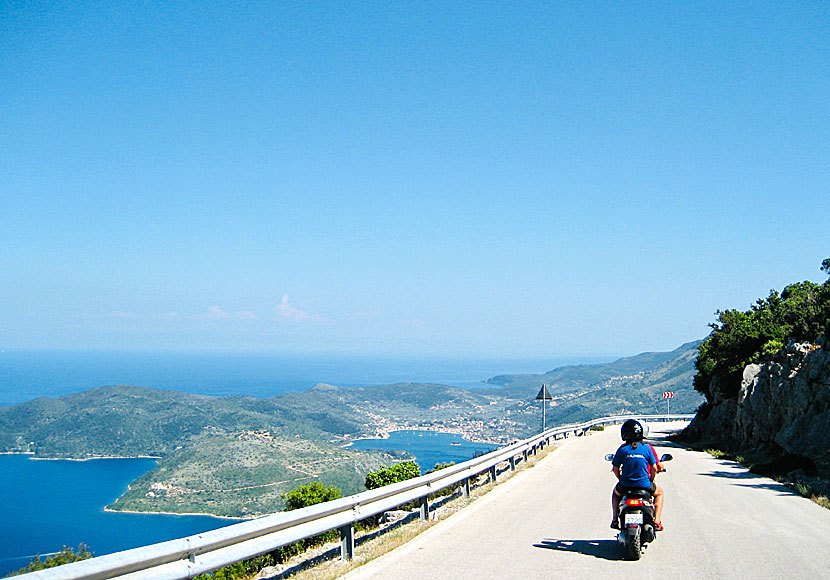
[{"x": 551, "y": 521}]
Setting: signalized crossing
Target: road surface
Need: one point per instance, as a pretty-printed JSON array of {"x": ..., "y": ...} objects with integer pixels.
[{"x": 552, "y": 521}]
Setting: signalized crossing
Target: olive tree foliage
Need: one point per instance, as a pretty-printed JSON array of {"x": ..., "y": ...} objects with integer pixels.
[
  {"x": 65, "y": 556},
  {"x": 801, "y": 312},
  {"x": 398, "y": 472},
  {"x": 309, "y": 494}
]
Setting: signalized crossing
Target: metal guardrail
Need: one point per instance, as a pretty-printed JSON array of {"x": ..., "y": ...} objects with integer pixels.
[{"x": 201, "y": 553}]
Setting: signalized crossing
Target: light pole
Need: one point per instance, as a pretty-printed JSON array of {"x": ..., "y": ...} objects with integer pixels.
[{"x": 544, "y": 396}]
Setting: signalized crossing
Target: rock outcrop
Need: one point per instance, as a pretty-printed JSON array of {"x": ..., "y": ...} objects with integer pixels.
[{"x": 781, "y": 411}]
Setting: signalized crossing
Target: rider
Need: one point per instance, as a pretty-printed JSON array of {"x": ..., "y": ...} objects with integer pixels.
[{"x": 635, "y": 464}]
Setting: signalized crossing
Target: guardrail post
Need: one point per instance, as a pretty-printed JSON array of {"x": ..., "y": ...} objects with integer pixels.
[
  {"x": 465, "y": 489},
  {"x": 512, "y": 463},
  {"x": 234, "y": 543},
  {"x": 347, "y": 542},
  {"x": 525, "y": 454},
  {"x": 424, "y": 511}
]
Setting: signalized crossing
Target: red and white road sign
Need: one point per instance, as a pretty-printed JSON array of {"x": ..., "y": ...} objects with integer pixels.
[{"x": 668, "y": 394}]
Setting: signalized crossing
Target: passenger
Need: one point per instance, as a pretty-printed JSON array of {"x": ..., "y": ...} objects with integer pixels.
[{"x": 635, "y": 464}]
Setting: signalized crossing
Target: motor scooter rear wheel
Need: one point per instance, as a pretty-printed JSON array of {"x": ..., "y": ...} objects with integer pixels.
[{"x": 632, "y": 543}]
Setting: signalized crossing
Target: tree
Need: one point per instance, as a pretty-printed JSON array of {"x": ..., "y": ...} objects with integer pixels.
[
  {"x": 825, "y": 266},
  {"x": 65, "y": 556},
  {"x": 440, "y": 466},
  {"x": 398, "y": 472},
  {"x": 801, "y": 312},
  {"x": 303, "y": 496},
  {"x": 309, "y": 494}
]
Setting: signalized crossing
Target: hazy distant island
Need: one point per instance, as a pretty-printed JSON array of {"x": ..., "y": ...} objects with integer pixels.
[{"x": 236, "y": 456}]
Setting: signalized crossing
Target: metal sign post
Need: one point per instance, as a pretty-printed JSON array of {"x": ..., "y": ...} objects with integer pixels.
[
  {"x": 544, "y": 395},
  {"x": 668, "y": 396}
]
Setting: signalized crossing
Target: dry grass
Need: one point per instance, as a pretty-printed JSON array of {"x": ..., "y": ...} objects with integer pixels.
[{"x": 813, "y": 488}]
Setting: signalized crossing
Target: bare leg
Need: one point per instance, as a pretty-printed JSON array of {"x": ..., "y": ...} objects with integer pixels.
[
  {"x": 615, "y": 502},
  {"x": 658, "y": 505}
]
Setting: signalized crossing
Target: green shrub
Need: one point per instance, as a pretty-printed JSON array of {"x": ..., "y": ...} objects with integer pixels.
[
  {"x": 440, "y": 466},
  {"x": 398, "y": 472},
  {"x": 303, "y": 496},
  {"x": 309, "y": 494},
  {"x": 801, "y": 312},
  {"x": 65, "y": 556}
]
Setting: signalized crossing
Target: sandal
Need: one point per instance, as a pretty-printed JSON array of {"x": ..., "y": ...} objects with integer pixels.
[
  {"x": 615, "y": 525},
  {"x": 659, "y": 526}
]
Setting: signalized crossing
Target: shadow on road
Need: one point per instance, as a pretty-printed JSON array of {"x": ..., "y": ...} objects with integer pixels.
[
  {"x": 732, "y": 474},
  {"x": 753, "y": 480},
  {"x": 602, "y": 549},
  {"x": 662, "y": 440}
]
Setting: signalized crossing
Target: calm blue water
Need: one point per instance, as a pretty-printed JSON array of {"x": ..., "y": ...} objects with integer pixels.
[
  {"x": 428, "y": 447},
  {"x": 25, "y": 375},
  {"x": 50, "y": 504}
]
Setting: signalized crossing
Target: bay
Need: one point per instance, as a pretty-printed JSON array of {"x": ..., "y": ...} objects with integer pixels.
[
  {"x": 56, "y": 503},
  {"x": 428, "y": 447},
  {"x": 50, "y": 504}
]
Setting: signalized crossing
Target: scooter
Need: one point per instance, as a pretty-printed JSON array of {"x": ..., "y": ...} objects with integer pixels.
[{"x": 636, "y": 517}]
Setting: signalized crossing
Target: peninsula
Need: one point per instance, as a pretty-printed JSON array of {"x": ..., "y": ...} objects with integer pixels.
[{"x": 236, "y": 456}]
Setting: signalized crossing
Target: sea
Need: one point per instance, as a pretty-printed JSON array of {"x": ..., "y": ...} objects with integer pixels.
[
  {"x": 429, "y": 447},
  {"x": 47, "y": 505}
]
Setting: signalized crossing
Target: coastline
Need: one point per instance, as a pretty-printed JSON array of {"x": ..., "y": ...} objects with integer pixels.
[
  {"x": 199, "y": 514},
  {"x": 32, "y": 454},
  {"x": 95, "y": 457},
  {"x": 386, "y": 433}
]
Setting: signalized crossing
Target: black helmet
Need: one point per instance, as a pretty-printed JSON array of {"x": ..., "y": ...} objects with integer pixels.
[{"x": 631, "y": 431}]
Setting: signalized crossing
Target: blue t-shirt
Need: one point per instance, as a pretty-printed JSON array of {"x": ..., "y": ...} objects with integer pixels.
[{"x": 634, "y": 465}]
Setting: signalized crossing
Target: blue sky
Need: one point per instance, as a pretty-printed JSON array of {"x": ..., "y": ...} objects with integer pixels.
[{"x": 442, "y": 179}]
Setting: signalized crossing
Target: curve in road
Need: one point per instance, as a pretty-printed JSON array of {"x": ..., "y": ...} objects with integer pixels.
[{"x": 551, "y": 521}]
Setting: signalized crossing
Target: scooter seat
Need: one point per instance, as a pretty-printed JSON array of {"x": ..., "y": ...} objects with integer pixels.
[{"x": 641, "y": 493}]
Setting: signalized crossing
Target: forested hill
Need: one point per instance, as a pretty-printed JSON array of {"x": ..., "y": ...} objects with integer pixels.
[
  {"x": 235, "y": 456},
  {"x": 629, "y": 385},
  {"x": 231, "y": 456}
]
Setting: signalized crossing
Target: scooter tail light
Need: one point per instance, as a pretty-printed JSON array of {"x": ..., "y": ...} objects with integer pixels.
[{"x": 633, "y": 502}]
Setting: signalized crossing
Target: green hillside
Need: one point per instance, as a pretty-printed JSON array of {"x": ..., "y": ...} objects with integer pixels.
[
  {"x": 628, "y": 385},
  {"x": 226, "y": 456},
  {"x": 235, "y": 456}
]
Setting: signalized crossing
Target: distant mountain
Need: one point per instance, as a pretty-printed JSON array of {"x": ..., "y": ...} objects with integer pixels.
[
  {"x": 234, "y": 456},
  {"x": 629, "y": 385},
  {"x": 574, "y": 377}
]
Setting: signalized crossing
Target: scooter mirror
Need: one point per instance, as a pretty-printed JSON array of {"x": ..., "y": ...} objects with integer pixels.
[
  {"x": 609, "y": 457},
  {"x": 666, "y": 457}
]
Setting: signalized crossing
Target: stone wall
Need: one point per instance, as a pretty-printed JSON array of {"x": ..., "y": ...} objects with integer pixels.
[{"x": 782, "y": 409}]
